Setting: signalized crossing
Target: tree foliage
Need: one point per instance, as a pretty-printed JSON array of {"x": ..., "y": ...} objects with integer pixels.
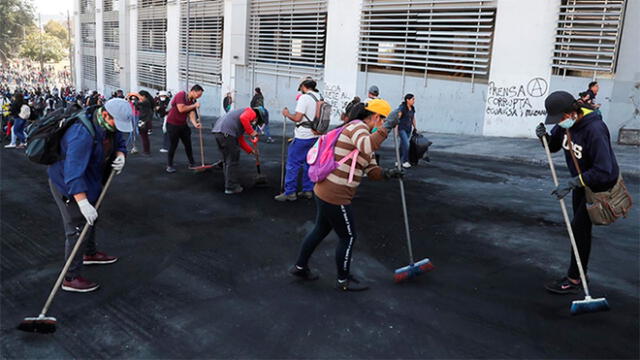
[
  {"x": 55, "y": 28},
  {"x": 42, "y": 47},
  {"x": 17, "y": 19}
]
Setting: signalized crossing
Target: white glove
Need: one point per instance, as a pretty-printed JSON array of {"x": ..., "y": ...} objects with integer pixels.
[
  {"x": 88, "y": 211},
  {"x": 118, "y": 164}
]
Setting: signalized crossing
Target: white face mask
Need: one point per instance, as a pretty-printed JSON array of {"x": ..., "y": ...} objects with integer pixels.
[{"x": 567, "y": 123}]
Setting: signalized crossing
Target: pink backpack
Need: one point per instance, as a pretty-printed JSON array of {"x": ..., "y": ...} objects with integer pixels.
[{"x": 321, "y": 157}]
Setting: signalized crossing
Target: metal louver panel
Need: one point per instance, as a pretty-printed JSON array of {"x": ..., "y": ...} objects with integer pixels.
[
  {"x": 111, "y": 33},
  {"x": 89, "y": 67},
  {"x": 110, "y": 5},
  {"x": 446, "y": 37},
  {"x": 588, "y": 35},
  {"x": 201, "y": 25},
  {"x": 111, "y": 72},
  {"x": 152, "y": 27},
  {"x": 87, "y": 7},
  {"x": 88, "y": 34},
  {"x": 287, "y": 37}
]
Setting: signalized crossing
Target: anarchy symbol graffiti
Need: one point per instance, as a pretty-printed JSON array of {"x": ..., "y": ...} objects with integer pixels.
[{"x": 537, "y": 87}]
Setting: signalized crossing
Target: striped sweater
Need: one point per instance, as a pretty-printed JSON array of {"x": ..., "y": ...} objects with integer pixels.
[{"x": 336, "y": 189}]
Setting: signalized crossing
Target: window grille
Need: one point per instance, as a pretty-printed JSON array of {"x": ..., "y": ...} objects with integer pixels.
[
  {"x": 110, "y": 5},
  {"x": 287, "y": 37},
  {"x": 152, "y": 28},
  {"x": 204, "y": 41},
  {"x": 87, "y": 6},
  {"x": 88, "y": 34},
  {"x": 89, "y": 67},
  {"x": 444, "y": 37},
  {"x": 587, "y": 37},
  {"x": 111, "y": 72},
  {"x": 111, "y": 32}
]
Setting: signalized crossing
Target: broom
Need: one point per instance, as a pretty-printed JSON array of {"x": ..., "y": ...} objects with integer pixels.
[
  {"x": 284, "y": 137},
  {"x": 414, "y": 269},
  {"x": 589, "y": 304},
  {"x": 202, "y": 167},
  {"x": 261, "y": 180},
  {"x": 47, "y": 324}
]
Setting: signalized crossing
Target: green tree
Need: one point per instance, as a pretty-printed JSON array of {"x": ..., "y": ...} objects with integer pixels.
[
  {"x": 55, "y": 28},
  {"x": 16, "y": 20},
  {"x": 42, "y": 47}
]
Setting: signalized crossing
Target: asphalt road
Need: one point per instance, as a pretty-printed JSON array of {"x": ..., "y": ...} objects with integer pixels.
[{"x": 203, "y": 275}]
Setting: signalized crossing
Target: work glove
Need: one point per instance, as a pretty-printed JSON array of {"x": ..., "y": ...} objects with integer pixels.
[
  {"x": 118, "y": 164},
  {"x": 393, "y": 173},
  {"x": 391, "y": 121},
  {"x": 88, "y": 211},
  {"x": 541, "y": 131},
  {"x": 254, "y": 140},
  {"x": 562, "y": 190}
]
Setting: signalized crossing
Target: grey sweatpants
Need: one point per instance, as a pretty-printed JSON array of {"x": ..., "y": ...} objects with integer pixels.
[
  {"x": 73, "y": 222},
  {"x": 230, "y": 150}
]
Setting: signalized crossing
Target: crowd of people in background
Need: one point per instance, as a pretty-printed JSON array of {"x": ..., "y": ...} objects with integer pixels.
[{"x": 27, "y": 74}]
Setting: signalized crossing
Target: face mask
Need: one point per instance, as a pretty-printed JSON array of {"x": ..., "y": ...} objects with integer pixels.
[
  {"x": 568, "y": 123},
  {"x": 102, "y": 122}
]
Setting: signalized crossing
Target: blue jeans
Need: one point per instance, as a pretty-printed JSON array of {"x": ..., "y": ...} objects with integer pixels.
[
  {"x": 404, "y": 135},
  {"x": 18, "y": 129},
  {"x": 296, "y": 160}
]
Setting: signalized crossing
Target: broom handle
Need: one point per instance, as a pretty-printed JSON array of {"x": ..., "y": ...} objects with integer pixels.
[
  {"x": 83, "y": 234},
  {"x": 200, "y": 134},
  {"x": 284, "y": 135},
  {"x": 565, "y": 214},
  {"x": 404, "y": 201}
]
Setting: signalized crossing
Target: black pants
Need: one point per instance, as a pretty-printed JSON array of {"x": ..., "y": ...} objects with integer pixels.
[
  {"x": 73, "y": 222},
  {"x": 581, "y": 226},
  {"x": 230, "y": 150},
  {"x": 179, "y": 133},
  {"x": 331, "y": 217}
]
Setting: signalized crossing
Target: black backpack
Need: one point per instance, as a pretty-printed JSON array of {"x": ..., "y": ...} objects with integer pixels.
[{"x": 44, "y": 136}]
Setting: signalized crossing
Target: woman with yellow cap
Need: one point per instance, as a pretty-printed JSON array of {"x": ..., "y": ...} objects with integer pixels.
[{"x": 365, "y": 131}]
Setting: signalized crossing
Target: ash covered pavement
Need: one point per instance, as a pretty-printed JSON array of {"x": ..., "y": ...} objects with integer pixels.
[{"x": 202, "y": 274}]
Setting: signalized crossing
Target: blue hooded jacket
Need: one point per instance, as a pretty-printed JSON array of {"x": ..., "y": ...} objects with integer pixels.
[
  {"x": 592, "y": 148},
  {"x": 83, "y": 167}
]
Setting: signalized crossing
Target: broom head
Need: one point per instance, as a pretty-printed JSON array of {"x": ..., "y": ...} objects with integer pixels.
[
  {"x": 41, "y": 324},
  {"x": 413, "y": 270},
  {"x": 201, "y": 168},
  {"x": 589, "y": 305}
]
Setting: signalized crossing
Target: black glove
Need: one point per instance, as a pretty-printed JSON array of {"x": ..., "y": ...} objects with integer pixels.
[
  {"x": 393, "y": 173},
  {"x": 392, "y": 120},
  {"x": 562, "y": 190},
  {"x": 541, "y": 131}
]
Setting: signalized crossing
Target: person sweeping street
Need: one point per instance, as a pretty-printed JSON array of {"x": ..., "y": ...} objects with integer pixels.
[
  {"x": 358, "y": 138},
  {"x": 229, "y": 132},
  {"x": 586, "y": 141},
  {"x": 183, "y": 105},
  {"x": 76, "y": 181}
]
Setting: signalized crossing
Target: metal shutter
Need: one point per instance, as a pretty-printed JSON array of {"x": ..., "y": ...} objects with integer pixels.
[
  {"x": 588, "y": 36},
  {"x": 152, "y": 28},
  {"x": 89, "y": 68},
  {"x": 111, "y": 72},
  {"x": 111, "y": 32},
  {"x": 287, "y": 37},
  {"x": 110, "y": 5},
  {"x": 203, "y": 38},
  {"x": 445, "y": 37},
  {"x": 88, "y": 43}
]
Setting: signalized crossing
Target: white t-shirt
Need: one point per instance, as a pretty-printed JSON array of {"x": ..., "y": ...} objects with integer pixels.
[{"x": 306, "y": 105}]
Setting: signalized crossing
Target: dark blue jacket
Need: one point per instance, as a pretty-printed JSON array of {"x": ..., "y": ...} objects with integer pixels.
[
  {"x": 83, "y": 166},
  {"x": 592, "y": 148}
]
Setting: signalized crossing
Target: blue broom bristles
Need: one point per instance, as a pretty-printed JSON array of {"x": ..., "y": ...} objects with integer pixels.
[
  {"x": 589, "y": 305},
  {"x": 413, "y": 270}
]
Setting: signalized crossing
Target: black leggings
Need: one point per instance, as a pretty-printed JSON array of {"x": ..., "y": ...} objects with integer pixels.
[
  {"x": 581, "y": 226},
  {"x": 331, "y": 217},
  {"x": 176, "y": 133}
]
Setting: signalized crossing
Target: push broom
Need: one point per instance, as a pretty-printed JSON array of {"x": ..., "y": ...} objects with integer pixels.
[
  {"x": 47, "y": 324},
  {"x": 414, "y": 269},
  {"x": 589, "y": 304},
  {"x": 202, "y": 167},
  {"x": 261, "y": 180}
]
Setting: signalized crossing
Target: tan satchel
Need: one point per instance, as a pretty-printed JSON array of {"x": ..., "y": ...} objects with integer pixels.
[{"x": 604, "y": 207}]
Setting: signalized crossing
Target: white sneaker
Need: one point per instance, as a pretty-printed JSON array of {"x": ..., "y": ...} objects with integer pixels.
[
  {"x": 164, "y": 150},
  {"x": 10, "y": 146},
  {"x": 406, "y": 165}
]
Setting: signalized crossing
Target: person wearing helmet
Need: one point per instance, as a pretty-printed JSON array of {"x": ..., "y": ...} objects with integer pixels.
[
  {"x": 580, "y": 130},
  {"x": 335, "y": 193},
  {"x": 88, "y": 156},
  {"x": 229, "y": 132}
]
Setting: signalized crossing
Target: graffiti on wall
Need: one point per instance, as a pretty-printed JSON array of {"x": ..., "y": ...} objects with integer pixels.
[
  {"x": 338, "y": 99},
  {"x": 522, "y": 100}
]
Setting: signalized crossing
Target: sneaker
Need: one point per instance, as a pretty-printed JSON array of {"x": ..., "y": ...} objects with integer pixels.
[
  {"x": 218, "y": 164},
  {"x": 10, "y": 146},
  {"x": 406, "y": 165},
  {"x": 99, "y": 258},
  {"x": 171, "y": 169},
  {"x": 306, "y": 195},
  {"x": 269, "y": 140},
  {"x": 303, "y": 273},
  {"x": 79, "y": 284},
  {"x": 284, "y": 197},
  {"x": 237, "y": 190},
  {"x": 563, "y": 286},
  {"x": 350, "y": 284},
  {"x": 133, "y": 151},
  {"x": 164, "y": 150}
]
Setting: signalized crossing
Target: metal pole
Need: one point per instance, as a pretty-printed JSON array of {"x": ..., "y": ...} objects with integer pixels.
[
  {"x": 70, "y": 48},
  {"x": 188, "y": 44},
  {"x": 41, "y": 46}
]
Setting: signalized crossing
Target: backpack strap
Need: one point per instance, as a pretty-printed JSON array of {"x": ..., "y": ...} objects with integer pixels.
[
  {"x": 353, "y": 155},
  {"x": 309, "y": 122}
]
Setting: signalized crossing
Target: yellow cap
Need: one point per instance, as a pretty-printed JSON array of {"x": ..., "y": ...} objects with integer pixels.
[{"x": 379, "y": 106}]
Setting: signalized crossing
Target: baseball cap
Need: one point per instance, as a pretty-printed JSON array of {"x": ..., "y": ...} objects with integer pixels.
[
  {"x": 557, "y": 104},
  {"x": 121, "y": 111},
  {"x": 374, "y": 90}
]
